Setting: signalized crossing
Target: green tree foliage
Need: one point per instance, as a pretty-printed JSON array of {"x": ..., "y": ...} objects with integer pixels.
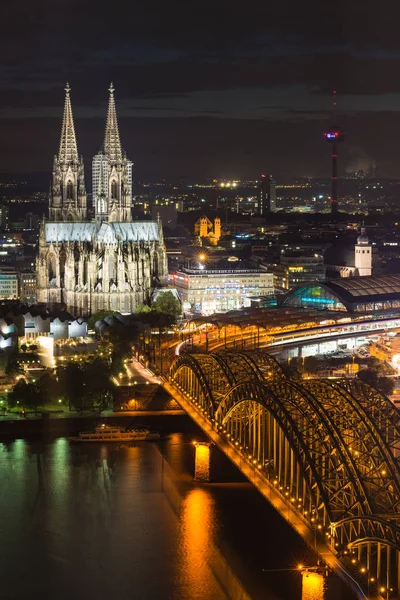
[
  {"x": 87, "y": 386},
  {"x": 25, "y": 395},
  {"x": 73, "y": 386},
  {"x": 167, "y": 304},
  {"x": 50, "y": 389},
  {"x": 143, "y": 309}
]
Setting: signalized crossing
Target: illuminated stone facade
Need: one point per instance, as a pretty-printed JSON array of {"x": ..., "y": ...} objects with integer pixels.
[{"x": 110, "y": 263}]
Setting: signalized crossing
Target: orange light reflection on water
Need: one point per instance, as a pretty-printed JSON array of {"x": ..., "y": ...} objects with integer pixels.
[
  {"x": 313, "y": 586},
  {"x": 197, "y": 541},
  {"x": 202, "y": 463}
]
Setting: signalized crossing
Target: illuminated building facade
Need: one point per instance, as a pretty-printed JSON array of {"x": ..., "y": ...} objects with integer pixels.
[
  {"x": 205, "y": 229},
  {"x": 27, "y": 287},
  {"x": 8, "y": 286},
  {"x": 110, "y": 263},
  {"x": 207, "y": 291}
]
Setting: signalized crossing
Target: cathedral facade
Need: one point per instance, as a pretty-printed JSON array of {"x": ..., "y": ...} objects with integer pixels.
[{"x": 111, "y": 262}]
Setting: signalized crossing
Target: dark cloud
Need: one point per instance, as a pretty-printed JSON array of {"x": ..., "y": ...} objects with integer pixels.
[{"x": 262, "y": 69}]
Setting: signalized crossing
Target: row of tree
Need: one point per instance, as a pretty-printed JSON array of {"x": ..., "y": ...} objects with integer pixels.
[{"x": 82, "y": 387}]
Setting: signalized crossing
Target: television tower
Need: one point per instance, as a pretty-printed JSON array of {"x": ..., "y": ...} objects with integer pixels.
[{"x": 334, "y": 135}]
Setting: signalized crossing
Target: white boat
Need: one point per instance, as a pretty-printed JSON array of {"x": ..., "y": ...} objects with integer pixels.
[{"x": 113, "y": 433}]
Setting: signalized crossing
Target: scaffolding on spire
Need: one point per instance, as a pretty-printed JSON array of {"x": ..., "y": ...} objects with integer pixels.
[
  {"x": 112, "y": 144},
  {"x": 68, "y": 152}
]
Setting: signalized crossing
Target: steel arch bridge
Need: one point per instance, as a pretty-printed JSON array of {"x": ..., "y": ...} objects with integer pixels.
[{"x": 328, "y": 449}]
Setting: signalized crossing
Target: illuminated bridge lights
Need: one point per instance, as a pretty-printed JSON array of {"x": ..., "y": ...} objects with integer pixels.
[{"x": 356, "y": 485}]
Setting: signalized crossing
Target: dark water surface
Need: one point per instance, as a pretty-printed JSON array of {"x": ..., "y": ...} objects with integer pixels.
[{"x": 104, "y": 522}]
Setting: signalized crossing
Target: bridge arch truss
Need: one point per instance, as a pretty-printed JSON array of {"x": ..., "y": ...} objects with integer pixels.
[{"x": 330, "y": 449}]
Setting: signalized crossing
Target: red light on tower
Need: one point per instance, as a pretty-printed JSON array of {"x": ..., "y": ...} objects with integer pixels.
[{"x": 333, "y": 136}]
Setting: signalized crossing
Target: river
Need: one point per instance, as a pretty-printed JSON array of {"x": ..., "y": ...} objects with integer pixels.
[{"x": 104, "y": 522}]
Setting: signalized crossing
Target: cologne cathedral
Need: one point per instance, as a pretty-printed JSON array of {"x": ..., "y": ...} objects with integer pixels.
[{"x": 109, "y": 262}]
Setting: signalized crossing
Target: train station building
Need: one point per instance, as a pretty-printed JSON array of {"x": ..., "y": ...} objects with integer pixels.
[{"x": 351, "y": 294}]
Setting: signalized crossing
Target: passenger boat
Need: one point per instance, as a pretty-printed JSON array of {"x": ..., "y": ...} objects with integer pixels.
[{"x": 113, "y": 433}]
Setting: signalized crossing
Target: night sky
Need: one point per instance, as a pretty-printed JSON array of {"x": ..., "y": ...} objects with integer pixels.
[{"x": 204, "y": 89}]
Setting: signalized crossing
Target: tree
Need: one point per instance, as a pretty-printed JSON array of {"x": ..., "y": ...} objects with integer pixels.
[
  {"x": 50, "y": 388},
  {"x": 73, "y": 385},
  {"x": 369, "y": 376},
  {"x": 26, "y": 395},
  {"x": 385, "y": 385},
  {"x": 143, "y": 309},
  {"x": 167, "y": 304},
  {"x": 99, "y": 389}
]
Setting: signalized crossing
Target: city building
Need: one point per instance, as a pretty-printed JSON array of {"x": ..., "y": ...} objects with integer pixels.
[
  {"x": 267, "y": 197},
  {"x": 301, "y": 267},
  {"x": 206, "y": 230},
  {"x": 36, "y": 323},
  {"x": 4, "y": 218},
  {"x": 228, "y": 285},
  {"x": 352, "y": 294},
  {"x": 364, "y": 260},
  {"x": 27, "y": 292},
  {"x": 363, "y": 255},
  {"x": 110, "y": 263},
  {"x": 8, "y": 285},
  {"x": 32, "y": 221}
]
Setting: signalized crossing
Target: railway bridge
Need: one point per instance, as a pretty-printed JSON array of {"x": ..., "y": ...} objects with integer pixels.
[{"x": 325, "y": 454}]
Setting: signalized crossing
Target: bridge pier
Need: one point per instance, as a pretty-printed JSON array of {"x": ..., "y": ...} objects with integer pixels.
[{"x": 202, "y": 459}]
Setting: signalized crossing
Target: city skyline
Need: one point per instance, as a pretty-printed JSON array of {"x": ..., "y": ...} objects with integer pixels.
[{"x": 207, "y": 92}]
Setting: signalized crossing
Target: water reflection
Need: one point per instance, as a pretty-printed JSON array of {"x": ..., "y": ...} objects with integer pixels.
[
  {"x": 202, "y": 462},
  {"x": 97, "y": 521},
  {"x": 313, "y": 586},
  {"x": 197, "y": 526}
]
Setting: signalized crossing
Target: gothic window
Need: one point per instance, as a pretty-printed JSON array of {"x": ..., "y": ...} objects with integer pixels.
[
  {"x": 52, "y": 268},
  {"x": 77, "y": 257},
  {"x": 155, "y": 265},
  {"x": 111, "y": 269},
  {"x": 114, "y": 190},
  {"x": 62, "y": 267},
  {"x": 70, "y": 190}
]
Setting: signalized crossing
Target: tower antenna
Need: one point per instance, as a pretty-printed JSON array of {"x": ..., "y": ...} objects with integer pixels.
[{"x": 334, "y": 135}]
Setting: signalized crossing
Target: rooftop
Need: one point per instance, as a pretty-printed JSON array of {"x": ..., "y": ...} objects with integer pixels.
[{"x": 353, "y": 289}]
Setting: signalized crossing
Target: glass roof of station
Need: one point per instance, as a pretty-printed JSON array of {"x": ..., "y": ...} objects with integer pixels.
[{"x": 355, "y": 289}]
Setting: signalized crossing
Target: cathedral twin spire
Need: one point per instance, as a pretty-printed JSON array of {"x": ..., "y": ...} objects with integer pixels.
[
  {"x": 68, "y": 152},
  {"x": 112, "y": 144},
  {"x": 112, "y": 173}
]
